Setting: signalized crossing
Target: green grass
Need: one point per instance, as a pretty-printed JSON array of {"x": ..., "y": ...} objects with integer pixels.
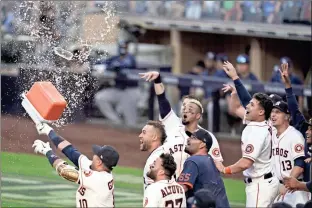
[{"x": 128, "y": 181}]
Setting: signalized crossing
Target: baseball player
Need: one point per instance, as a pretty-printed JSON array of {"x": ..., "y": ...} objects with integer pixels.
[
  {"x": 152, "y": 138},
  {"x": 95, "y": 179},
  {"x": 287, "y": 153},
  {"x": 261, "y": 184},
  {"x": 199, "y": 170},
  {"x": 298, "y": 119},
  {"x": 174, "y": 126},
  {"x": 164, "y": 192}
]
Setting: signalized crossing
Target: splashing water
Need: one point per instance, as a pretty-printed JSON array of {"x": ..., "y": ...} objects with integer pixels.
[
  {"x": 63, "y": 53},
  {"x": 54, "y": 27}
]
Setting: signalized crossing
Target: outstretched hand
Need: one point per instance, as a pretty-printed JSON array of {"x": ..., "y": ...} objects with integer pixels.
[
  {"x": 291, "y": 183},
  {"x": 149, "y": 76},
  {"x": 229, "y": 88},
  {"x": 43, "y": 129},
  {"x": 230, "y": 70},
  {"x": 285, "y": 75},
  {"x": 41, "y": 147}
]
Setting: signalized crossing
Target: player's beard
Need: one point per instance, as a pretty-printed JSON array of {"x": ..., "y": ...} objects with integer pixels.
[
  {"x": 152, "y": 174},
  {"x": 184, "y": 122},
  {"x": 144, "y": 146},
  {"x": 187, "y": 150}
]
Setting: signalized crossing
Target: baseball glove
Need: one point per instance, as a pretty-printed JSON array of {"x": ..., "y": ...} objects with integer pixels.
[{"x": 67, "y": 171}]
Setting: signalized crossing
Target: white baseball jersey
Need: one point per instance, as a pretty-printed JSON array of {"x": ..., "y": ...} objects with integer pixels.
[
  {"x": 150, "y": 160},
  {"x": 164, "y": 193},
  {"x": 286, "y": 148},
  {"x": 96, "y": 188},
  {"x": 256, "y": 145},
  {"x": 173, "y": 125}
]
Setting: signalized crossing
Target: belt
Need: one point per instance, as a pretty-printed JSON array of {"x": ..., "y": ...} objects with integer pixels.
[
  {"x": 281, "y": 182},
  {"x": 266, "y": 176}
]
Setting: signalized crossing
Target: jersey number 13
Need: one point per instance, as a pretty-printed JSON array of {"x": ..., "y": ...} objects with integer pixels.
[{"x": 286, "y": 165}]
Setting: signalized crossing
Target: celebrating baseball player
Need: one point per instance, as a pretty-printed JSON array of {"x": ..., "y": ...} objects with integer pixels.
[
  {"x": 298, "y": 119},
  {"x": 261, "y": 184},
  {"x": 152, "y": 138},
  {"x": 174, "y": 126},
  {"x": 95, "y": 179},
  {"x": 287, "y": 153},
  {"x": 164, "y": 192},
  {"x": 199, "y": 169}
]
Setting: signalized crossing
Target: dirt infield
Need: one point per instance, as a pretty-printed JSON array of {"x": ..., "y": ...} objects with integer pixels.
[{"x": 18, "y": 134}]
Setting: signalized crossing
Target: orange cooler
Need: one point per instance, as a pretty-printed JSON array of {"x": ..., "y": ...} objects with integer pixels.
[{"x": 47, "y": 101}]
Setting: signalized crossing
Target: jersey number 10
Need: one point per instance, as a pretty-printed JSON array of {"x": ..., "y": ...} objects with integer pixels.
[
  {"x": 286, "y": 165},
  {"x": 171, "y": 204},
  {"x": 83, "y": 203}
]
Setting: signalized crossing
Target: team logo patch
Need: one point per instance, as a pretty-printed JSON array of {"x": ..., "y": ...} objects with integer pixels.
[
  {"x": 87, "y": 173},
  {"x": 249, "y": 149},
  {"x": 146, "y": 202},
  {"x": 216, "y": 152},
  {"x": 299, "y": 148}
]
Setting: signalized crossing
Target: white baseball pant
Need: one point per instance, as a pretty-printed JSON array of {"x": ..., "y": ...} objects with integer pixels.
[{"x": 261, "y": 192}]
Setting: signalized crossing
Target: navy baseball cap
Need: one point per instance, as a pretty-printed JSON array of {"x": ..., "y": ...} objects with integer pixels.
[
  {"x": 202, "y": 198},
  {"x": 210, "y": 55},
  {"x": 242, "y": 59},
  {"x": 221, "y": 57},
  {"x": 107, "y": 154},
  {"x": 275, "y": 98},
  {"x": 285, "y": 60},
  {"x": 202, "y": 135},
  {"x": 282, "y": 106}
]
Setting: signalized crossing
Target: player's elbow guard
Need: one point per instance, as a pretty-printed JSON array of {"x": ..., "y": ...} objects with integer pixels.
[{"x": 67, "y": 172}]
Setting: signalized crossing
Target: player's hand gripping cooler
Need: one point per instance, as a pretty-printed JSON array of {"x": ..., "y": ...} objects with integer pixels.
[{"x": 43, "y": 103}]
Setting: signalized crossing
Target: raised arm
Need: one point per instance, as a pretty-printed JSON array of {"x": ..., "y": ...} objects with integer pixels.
[
  {"x": 296, "y": 115},
  {"x": 164, "y": 105},
  {"x": 242, "y": 92},
  {"x": 235, "y": 106},
  {"x": 60, "y": 143},
  {"x": 64, "y": 170}
]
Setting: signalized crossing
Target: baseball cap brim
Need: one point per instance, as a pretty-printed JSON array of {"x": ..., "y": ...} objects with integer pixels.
[
  {"x": 279, "y": 108},
  {"x": 188, "y": 133}
]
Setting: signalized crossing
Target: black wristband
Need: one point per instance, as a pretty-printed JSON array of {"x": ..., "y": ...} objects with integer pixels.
[{"x": 157, "y": 80}]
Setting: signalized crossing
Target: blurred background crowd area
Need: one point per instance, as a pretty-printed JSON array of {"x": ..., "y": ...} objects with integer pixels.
[
  {"x": 276, "y": 12},
  {"x": 31, "y": 29}
]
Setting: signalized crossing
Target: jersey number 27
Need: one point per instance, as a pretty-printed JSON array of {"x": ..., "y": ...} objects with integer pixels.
[{"x": 175, "y": 203}]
